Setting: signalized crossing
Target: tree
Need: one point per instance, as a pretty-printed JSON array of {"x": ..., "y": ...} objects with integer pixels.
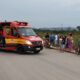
[{"x": 78, "y": 27}]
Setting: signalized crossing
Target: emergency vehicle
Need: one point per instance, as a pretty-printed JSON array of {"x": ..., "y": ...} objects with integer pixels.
[{"x": 20, "y": 37}]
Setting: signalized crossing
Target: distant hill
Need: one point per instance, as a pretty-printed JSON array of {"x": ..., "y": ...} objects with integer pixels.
[{"x": 58, "y": 29}]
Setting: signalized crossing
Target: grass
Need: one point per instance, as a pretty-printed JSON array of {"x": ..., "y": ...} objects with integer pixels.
[{"x": 76, "y": 36}]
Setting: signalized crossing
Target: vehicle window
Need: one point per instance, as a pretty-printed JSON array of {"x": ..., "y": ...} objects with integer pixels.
[
  {"x": 1, "y": 27},
  {"x": 14, "y": 32},
  {"x": 26, "y": 31},
  {"x": 8, "y": 30}
]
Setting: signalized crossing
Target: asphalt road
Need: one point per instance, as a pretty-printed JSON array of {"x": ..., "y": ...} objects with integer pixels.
[{"x": 48, "y": 65}]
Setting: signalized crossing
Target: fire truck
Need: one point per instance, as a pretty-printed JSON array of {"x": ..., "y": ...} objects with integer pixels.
[{"x": 20, "y": 37}]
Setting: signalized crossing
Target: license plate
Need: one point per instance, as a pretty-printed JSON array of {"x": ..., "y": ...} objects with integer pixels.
[{"x": 37, "y": 48}]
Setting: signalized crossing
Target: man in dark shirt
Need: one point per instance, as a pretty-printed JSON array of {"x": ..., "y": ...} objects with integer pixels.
[
  {"x": 47, "y": 36},
  {"x": 79, "y": 46}
]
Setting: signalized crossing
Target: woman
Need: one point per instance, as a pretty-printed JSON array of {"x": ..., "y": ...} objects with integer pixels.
[{"x": 70, "y": 42}]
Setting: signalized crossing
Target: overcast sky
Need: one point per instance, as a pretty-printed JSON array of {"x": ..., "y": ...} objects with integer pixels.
[{"x": 42, "y": 13}]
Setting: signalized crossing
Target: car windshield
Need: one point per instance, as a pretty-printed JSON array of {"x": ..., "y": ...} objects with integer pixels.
[{"x": 26, "y": 31}]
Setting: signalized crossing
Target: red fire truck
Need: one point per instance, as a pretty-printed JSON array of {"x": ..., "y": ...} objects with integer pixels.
[{"x": 19, "y": 36}]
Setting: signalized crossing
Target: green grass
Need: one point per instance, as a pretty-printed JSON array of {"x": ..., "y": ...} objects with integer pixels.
[{"x": 76, "y": 36}]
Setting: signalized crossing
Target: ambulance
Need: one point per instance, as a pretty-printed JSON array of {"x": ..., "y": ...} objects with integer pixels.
[{"x": 20, "y": 37}]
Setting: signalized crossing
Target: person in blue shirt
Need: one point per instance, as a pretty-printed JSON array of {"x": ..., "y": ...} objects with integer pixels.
[{"x": 51, "y": 39}]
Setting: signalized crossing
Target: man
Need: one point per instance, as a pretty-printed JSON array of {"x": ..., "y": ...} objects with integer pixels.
[
  {"x": 78, "y": 47},
  {"x": 47, "y": 36},
  {"x": 56, "y": 39},
  {"x": 47, "y": 45},
  {"x": 51, "y": 39},
  {"x": 2, "y": 40}
]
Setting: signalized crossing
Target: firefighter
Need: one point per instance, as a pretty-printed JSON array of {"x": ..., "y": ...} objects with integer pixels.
[{"x": 2, "y": 40}]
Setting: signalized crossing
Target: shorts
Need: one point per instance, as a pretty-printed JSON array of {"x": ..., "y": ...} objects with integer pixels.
[{"x": 63, "y": 46}]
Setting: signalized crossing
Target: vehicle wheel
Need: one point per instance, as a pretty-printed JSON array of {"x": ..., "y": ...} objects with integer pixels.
[
  {"x": 20, "y": 49},
  {"x": 36, "y": 52}
]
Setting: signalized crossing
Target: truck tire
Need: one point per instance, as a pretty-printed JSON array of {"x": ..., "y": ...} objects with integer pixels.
[
  {"x": 36, "y": 52},
  {"x": 20, "y": 49}
]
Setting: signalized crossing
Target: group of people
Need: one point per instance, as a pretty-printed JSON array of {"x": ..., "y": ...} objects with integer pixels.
[{"x": 61, "y": 41}]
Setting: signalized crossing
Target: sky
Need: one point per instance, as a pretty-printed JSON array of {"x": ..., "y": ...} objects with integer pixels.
[{"x": 42, "y": 13}]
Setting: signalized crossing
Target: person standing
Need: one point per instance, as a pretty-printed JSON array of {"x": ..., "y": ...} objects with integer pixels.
[
  {"x": 51, "y": 39},
  {"x": 64, "y": 41},
  {"x": 56, "y": 39},
  {"x": 46, "y": 41},
  {"x": 60, "y": 42},
  {"x": 78, "y": 47},
  {"x": 70, "y": 42},
  {"x": 47, "y": 36},
  {"x": 2, "y": 40}
]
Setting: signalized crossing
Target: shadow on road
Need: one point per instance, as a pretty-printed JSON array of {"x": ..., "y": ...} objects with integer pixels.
[{"x": 14, "y": 52}]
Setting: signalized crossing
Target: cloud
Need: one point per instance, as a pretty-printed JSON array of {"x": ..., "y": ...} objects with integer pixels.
[{"x": 41, "y": 12}]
